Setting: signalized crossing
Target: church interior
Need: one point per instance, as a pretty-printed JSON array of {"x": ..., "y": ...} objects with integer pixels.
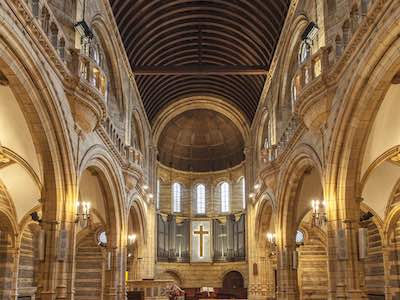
[{"x": 199, "y": 149}]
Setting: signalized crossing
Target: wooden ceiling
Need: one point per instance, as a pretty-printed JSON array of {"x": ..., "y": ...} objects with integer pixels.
[{"x": 182, "y": 48}]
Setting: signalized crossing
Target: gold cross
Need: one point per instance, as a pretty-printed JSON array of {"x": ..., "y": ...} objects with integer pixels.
[{"x": 201, "y": 232}]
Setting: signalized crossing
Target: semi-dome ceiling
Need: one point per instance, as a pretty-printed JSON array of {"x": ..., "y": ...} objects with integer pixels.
[
  {"x": 184, "y": 48},
  {"x": 200, "y": 140}
]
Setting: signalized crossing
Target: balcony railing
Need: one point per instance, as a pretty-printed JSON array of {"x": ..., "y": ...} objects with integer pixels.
[
  {"x": 311, "y": 70},
  {"x": 87, "y": 70},
  {"x": 42, "y": 14},
  {"x": 272, "y": 152},
  {"x": 127, "y": 153}
]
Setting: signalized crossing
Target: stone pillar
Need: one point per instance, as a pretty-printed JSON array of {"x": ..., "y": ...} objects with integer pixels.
[
  {"x": 343, "y": 263},
  {"x": 386, "y": 265},
  {"x": 112, "y": 276},
  {"x": 48, "y": 267},
  {"x": 149, "y": 252},
  {"x": 66, "y": 265},
  {"x": 287, "y": 275},
  {"x": 15, "y": 253}
]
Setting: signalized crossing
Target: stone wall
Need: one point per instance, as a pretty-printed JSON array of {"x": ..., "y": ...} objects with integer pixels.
[
  {"x": 189, "y": 181},
  {"x": 200, "y": 275}
]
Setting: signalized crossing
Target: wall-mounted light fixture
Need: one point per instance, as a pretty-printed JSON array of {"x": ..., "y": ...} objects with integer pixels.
[
  {"x": 82, "y": 27},
  {"x": 131, "y": 239},
  {"x": 318, "y": 213},
  {"x": 83, "y": 213},
  {"x": 271, "y": 238},
  {"x": 310, "y": 32}
]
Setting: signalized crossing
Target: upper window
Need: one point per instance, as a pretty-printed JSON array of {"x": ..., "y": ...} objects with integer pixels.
[
  {"x": 158, "y": 194},
  {"x": 299, "y": 237},
  {"x": 243, "y": 183},
  {"x": 201, "y": 199},
  {"x": 224, "y": 189},
  {"x": 304, "y": 51},
  {"x": 176, "y": 194},
  {"x": 102, "y": 238}
]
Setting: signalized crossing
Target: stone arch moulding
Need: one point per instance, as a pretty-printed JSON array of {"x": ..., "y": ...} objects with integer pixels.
[
  {"x": 24, "y": 164},
  {"x": 139, "y": 131},
  {"x": 302, "y": 159},
  {"x": 100, "y": 26},
  {"x": 384, "y": 156},
  {"x": 266, "y": 200},
  {"x": 297, "y": 28},
  {"x": 378, "y": 64},
  {"x": 200, "y": 102},
  {"x": 32, "y": 88},
  {"x": 140, "y": 212},
  {"x": 225, "y": 272},
  {"x": 175, "y": 274},
  {"x": 110, "y": 176}
]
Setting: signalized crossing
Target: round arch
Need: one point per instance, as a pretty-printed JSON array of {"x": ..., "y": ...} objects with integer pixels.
[{"x": 97, "y": 159}]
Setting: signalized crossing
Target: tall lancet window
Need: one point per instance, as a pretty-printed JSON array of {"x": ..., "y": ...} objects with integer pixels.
[
  {"x": 158, "y": 194},
  {"x": 201, "y": 199},
  {"x": 176, "y": 196},
  {"x": 224, "y": 189},
  {"x": 243, "y": 183}
]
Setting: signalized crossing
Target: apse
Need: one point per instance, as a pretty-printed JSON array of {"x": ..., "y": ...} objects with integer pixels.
[{"x": 201, "y": 140}]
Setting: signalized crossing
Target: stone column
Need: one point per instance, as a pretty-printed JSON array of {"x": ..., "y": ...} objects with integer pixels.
[
  {"x": 343, "y": 264},
  {"x": 112, "y": 273},
  {"x": 386, "y": 265},
  {"x": 287, "y": 275},
  {"x": 66, "y": 265},
  {"x": 15, "y": 253},
  {"x": 48, "y": 267}
]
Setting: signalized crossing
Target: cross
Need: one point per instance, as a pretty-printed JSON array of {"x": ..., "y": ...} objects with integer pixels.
[{"x": 201, "y": 232}]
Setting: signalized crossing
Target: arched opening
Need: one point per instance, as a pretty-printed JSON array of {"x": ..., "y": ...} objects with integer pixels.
[
  {"x": 20, "y": 166},
  {"x": 97, "y": 232},
  {"x": 136, "y": 242},
  {"x": 312, "y": 273},
  {"x": 265, "y": 264},
  {"x": 307, "y": 257},
  {"x": 233, "y": 280}
]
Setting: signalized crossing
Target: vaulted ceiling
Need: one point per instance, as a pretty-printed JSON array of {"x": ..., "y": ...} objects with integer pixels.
[{"x": 183, "y": 48}]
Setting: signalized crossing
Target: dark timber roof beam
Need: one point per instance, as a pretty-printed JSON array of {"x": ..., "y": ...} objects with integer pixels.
[{"x": 200, "y": 70}]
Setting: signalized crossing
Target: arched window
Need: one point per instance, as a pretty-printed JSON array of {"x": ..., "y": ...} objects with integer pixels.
[
  {"x": 201, "y": 199},
  {"x": 224, "y": 189},
  {"x": 176, "y": 195},
  {"x": 158, "y": 194},
  {"x": 299, "y": 237},
  {"x": 304, "y": 51},
  {"x": 293, "y": 90},
  {"x": 243, "y": 183}
]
